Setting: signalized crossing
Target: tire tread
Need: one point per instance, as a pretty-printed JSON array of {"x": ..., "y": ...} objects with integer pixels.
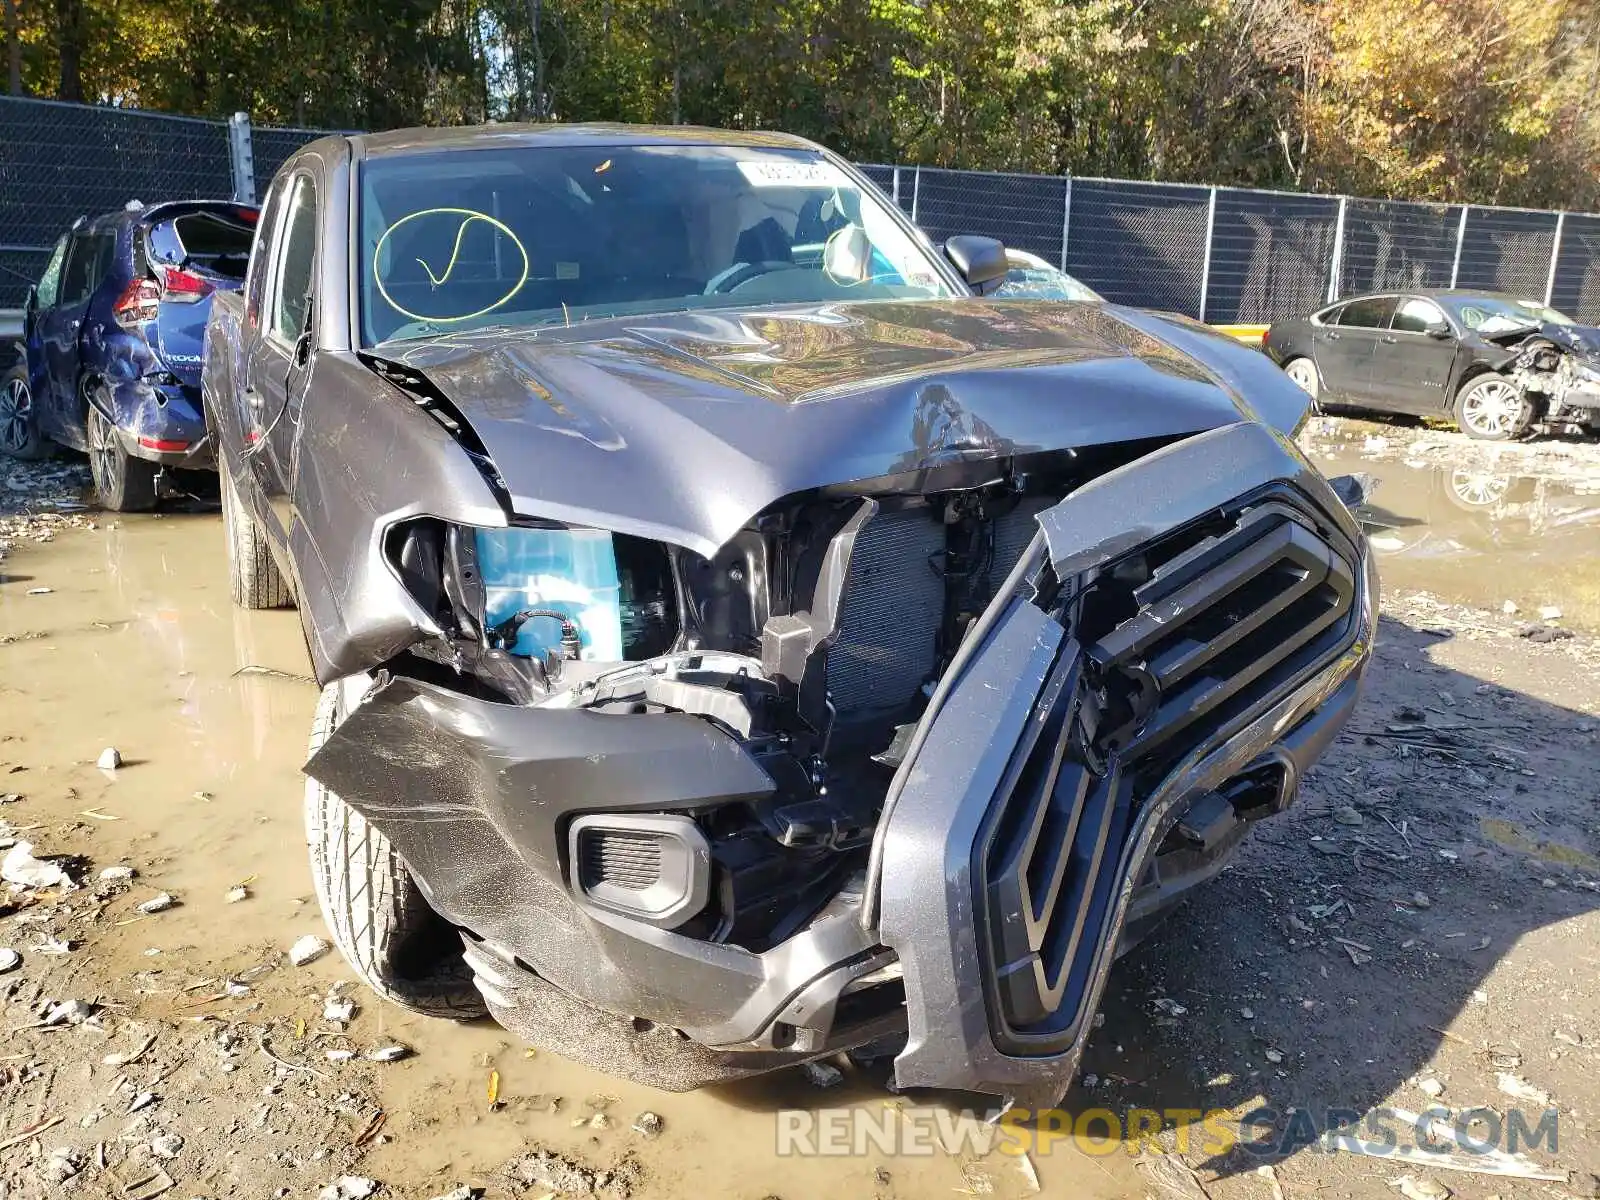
[
  {"x": 253, "y": 576},
  {"x": 368, "y": 899}
]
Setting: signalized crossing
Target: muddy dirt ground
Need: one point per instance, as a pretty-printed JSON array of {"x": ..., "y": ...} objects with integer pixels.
[{"x": 1420, "y": 929}]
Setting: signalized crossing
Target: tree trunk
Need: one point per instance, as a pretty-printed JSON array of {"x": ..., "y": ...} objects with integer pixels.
[
  {"x": 69, "y": 39},
  {"x": 13, "y": 49},
  {"x": 535, "y": 24}
]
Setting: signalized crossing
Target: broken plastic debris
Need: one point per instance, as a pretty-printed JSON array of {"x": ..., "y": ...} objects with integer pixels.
[
  {"x": 142, "y": 1100},
  {"x": 10, "y": 960},
  {"x": 1421, "y": 1189},
  {"x": 132, "y": 1056},
  {"x": 69, "y": 1012},
  {"x": 110, "y": 759},
  {"x": 116, "y": 874},
  {"x": 160, "y": 902},
  {"x": 1170, "y": 1006},
  {"x": 40, "y": 591},
  {"x": 391, "y": 1053},
  {"x": 1431, "y": 1087},
  {"x": 823, "y": 1075},
  {"x": 349, "y": 1187},
  {"x": 1515, "y": 1085},
  {"x": 236, "y": 894},
  {"x": 338, "y": 1008},
  {"x": 307, "y": 950},
  {"x": 21, "y": 867},
  {"x": 338, "y": 1056}
]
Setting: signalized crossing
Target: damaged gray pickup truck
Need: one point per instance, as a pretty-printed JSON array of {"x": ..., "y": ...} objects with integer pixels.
[{"x": 742, "y": 641}]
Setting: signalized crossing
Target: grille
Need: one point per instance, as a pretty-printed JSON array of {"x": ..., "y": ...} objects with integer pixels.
[
  {"x": 1178, "y": 642},
  {"x": 889, "y": 619},
  {"x": 623, "y": 860}
]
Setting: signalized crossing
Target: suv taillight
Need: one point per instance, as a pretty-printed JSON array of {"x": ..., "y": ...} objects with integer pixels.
[
  {"x": 138, "y": 302},
  {"x": 184, "y": 287}
]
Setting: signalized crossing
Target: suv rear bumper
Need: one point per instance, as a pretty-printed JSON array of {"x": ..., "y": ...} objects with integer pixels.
[{"x": 162, "y": 423}]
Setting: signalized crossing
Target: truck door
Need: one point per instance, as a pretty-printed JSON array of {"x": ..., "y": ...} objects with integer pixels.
[{"x": 274, "y": 376}]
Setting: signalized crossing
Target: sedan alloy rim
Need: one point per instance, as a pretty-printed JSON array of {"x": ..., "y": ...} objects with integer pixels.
[
  {"x": 1492, "y": 408},
  {"x": 1305, "y": 375},
  {"x": 15, "y": 415}
]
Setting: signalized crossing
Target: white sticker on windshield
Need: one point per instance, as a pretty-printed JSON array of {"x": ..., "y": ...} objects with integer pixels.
[{"x": 780, "y": 173}]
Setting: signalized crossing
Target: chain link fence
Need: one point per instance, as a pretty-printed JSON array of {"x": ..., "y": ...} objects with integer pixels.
[{"x": 1224, "y": 255}]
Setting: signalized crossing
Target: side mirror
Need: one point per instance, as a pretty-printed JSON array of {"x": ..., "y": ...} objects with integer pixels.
[
  {"x": 1441, "y": 332},
  {"x": 980, "y": 260}
]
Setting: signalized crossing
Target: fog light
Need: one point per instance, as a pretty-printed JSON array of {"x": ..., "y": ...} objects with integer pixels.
[{"x": 653, "y": 868}]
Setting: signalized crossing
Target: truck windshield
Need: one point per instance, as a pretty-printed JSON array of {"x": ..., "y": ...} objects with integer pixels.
[{"x": 550, "y": 235}]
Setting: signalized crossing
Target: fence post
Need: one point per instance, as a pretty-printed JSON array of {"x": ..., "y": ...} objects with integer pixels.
[
  {"x": 1461, "y": 234},
  {"x": 240, "y": 159},
  {"x": 1336, "y": 270},
  {"x": 1205, "y": 267},
  {"x": 897, "y": 187},
  {"x": 1066, "y": 222},
  {"x": 916, "y": 191},
  {"x": 1555, "y": 257}
]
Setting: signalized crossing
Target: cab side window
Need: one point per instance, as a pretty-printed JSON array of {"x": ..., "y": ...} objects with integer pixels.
[
  {"x": 49, "y": 289},
  {"x": 255, "y": 286},
  {"x": 296, "y": 262}
]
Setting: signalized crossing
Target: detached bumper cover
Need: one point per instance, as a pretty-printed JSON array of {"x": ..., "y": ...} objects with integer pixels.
[{"x": 1012, "y": 855}]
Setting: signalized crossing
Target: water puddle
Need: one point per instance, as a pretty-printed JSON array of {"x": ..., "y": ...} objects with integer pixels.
[
  {"x": 1481, "y": 530},
  {"x": 137, "y": 646}
]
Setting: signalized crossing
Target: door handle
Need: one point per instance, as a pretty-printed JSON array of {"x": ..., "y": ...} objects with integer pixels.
[
  {"x": 1391, "y": 341},
  {"x": 1331, "y": 336}
]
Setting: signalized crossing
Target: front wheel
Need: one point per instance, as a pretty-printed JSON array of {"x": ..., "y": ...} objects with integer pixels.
[
  {"x": 1492, "y": 409},
  {"x": 125, "y": 483},
  {"x": 19, "y": 424},
  {"x": 379, "y": 920}
]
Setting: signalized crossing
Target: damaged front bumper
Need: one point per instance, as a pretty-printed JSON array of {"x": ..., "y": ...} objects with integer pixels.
[{"x": 1072, "y": 774}]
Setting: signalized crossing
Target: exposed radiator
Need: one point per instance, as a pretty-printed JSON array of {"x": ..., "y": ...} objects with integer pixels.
[{"x": 889, "y": 620}]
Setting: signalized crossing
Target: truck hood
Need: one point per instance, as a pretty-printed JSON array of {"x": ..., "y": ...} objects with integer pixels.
[{"x": 683, "y": 427}]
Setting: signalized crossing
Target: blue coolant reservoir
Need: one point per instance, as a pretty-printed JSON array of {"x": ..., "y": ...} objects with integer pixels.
[{"x": 572, "y": 571}]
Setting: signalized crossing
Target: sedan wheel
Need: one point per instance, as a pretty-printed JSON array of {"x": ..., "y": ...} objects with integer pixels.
[
  {"x": 1491, "y": 408},
  {"x": 19, "y": 432},
  {"x": 1303, "y": 372}
]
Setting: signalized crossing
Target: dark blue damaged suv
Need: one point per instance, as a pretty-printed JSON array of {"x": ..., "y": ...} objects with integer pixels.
[{"x": 112, "y": 338}]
